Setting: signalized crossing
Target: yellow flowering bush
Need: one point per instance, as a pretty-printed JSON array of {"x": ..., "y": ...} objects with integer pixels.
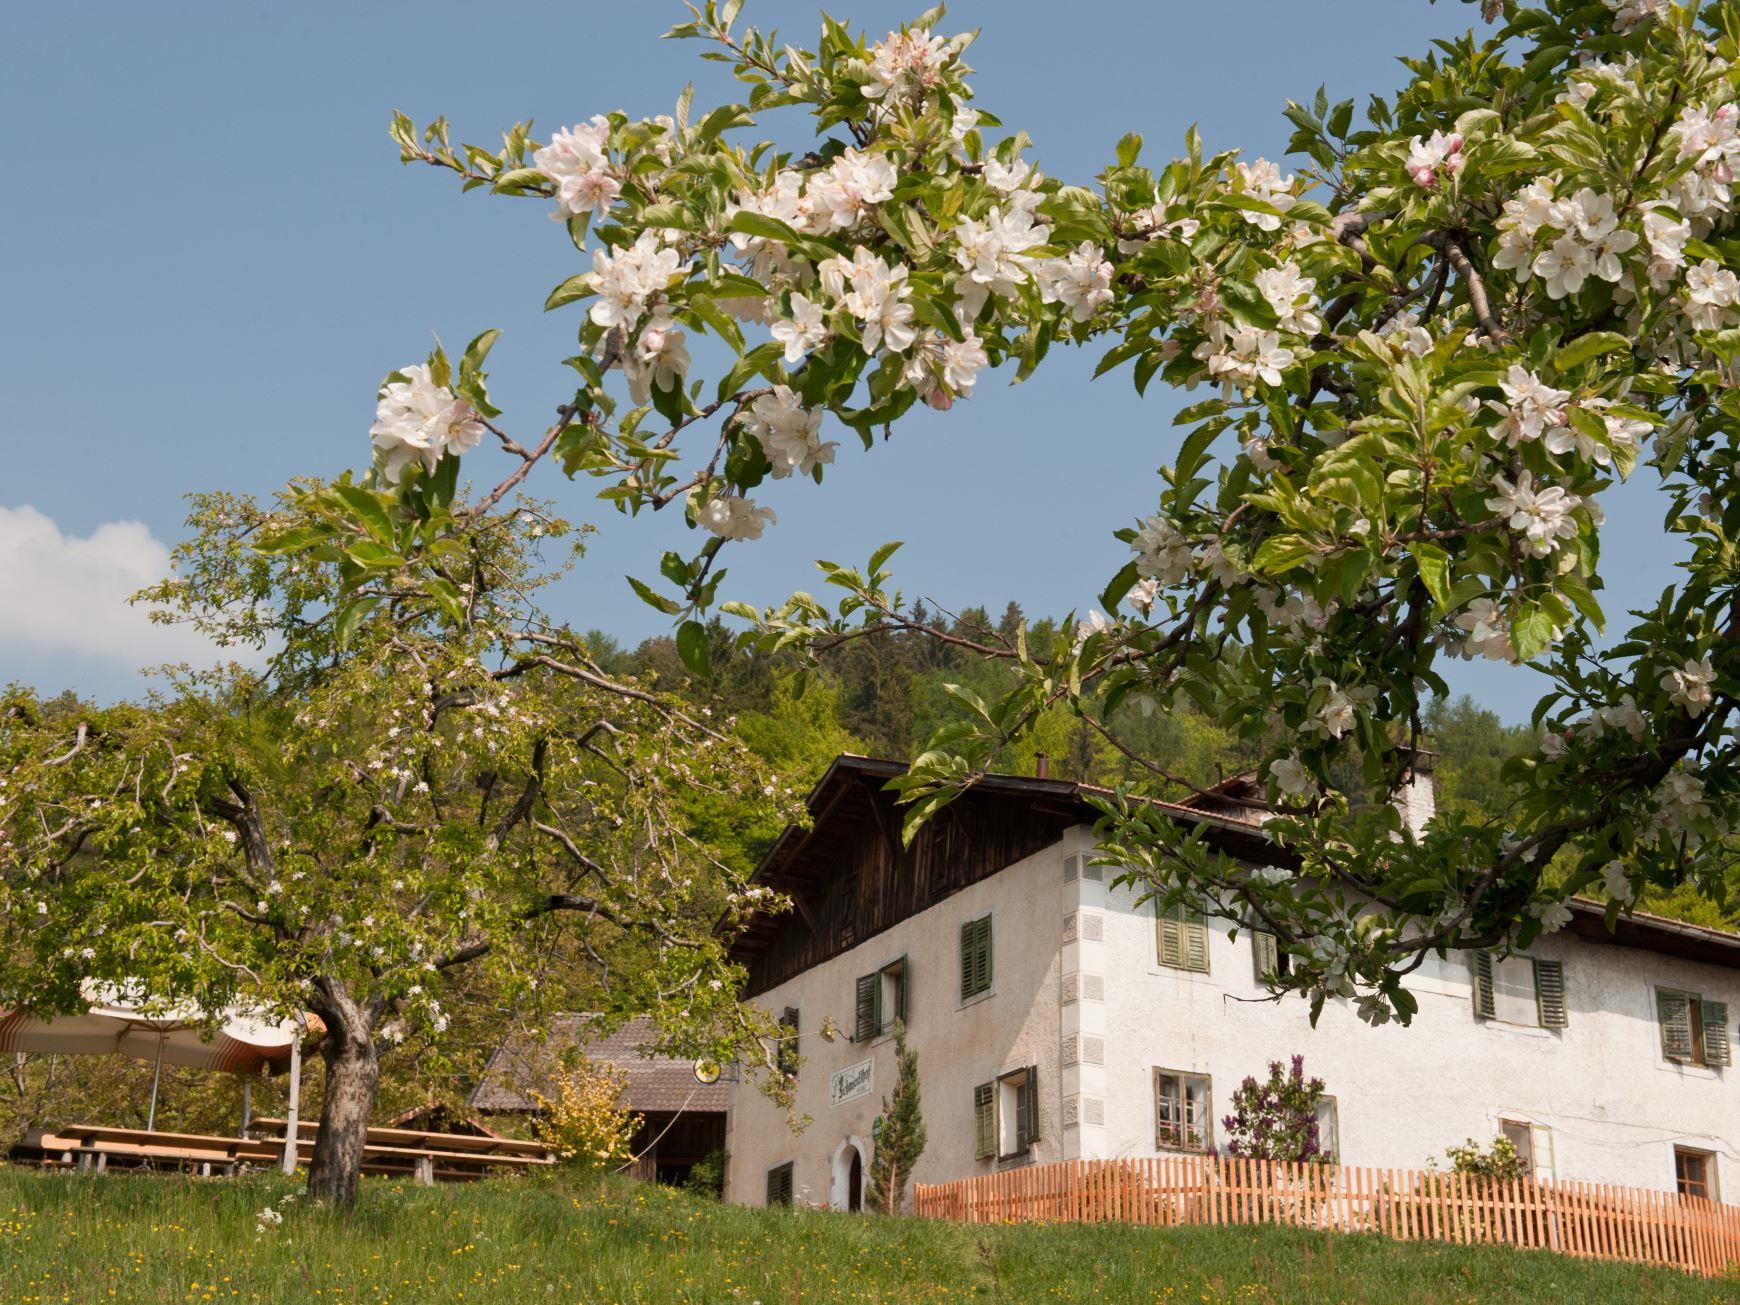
[{"x": 585, "y": 1122}]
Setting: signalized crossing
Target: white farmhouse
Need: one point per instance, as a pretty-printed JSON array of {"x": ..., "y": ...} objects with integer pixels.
[{"x": 1056, "y": 1019}]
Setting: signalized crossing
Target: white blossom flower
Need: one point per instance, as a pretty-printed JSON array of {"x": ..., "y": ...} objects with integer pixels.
[
  {"x": 1335, "y": 717},
  {"x": 1553, "y": 916},
  {"x": 1143, "y": 594},
  {"x": 1247, "y": 356},
  {"x": 1552, "y": 745},
  {"x": 844, "y": 194},
  {"x": 627, "y": 280},
  {"x": 1081, "y": 282},
  {"x": 1293, "y": 778},
  {"x": 1617, "y": 881},
  {"x": 943, "y": 369},
  {"x": 1709, "y": 137},
  {"x": 1622, "y": 433},
  {"x": 1542, "y": 515},
  {"x": 1680, "y": 801},
  {"x": 577, "y": 163},
  {"x": 1426, "y": 158},
  {"x": 1711, "y": 291},
  {"x": 732, "y": 517},
  {"x": 1405, "y": 330},
  {"x": 1628, "y": 13},
  {"x": 877, "y": 297},
  {"x": 907, "y": 63},
  {"x": 1263, "y": 181},
  {"x": 1532, "y": 406},
  {"x": 803, "y": 330},
  {"x": 1667, "y": 233},
  {"x": 1486, "y": 632},
  {"x": 1690, "y": 685},
  {"x": 789, "y": 434},
  {"x": 660, "y": 358},
  {"x": 1565, "y": 265},
  {"x": 418, "y": 421},
  {"x": 1162, "y": 553},
  {"x": 1097, "y": 622},
  {"x": 1292, "y": 296},
  {"x": 993, "y": 254}
]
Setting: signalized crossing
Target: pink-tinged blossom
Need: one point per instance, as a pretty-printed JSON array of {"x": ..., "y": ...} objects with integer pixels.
[
  {"x": 1623, "y": 433},
  {"x": 626, "y": 281},
  {"x": 1628, "y": 13},
  {"x": 577, "y": 163},
  {"x": 418, "y": 421},
  {"x": 659, "y": 359},
  {"x": 993, "y": 254},
  {"x": 732, "y": 517},
  {"x": 1564, "y": 265},
  {"x": 1292, "y": 296},
  {"x": 1712, "y": 291},
  {"x": 1440, "y": 152},
  {"x": 1143, "y": 594},
  {"x": 845, "y": 193},
  {"x": 942, "y": 369},
  {"x": 908, "y": 64},
  {"x": 874, "y": 293},
  {"x": 1667, "y": 233}
]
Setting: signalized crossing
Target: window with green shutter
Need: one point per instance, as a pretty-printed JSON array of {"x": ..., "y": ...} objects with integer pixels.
[
  {"x": 975, "y": 957},
  {"x": 881, "y": 999},
  {"x": 985, "y": 1121},
  {"x": 1181, "y": 936},
  {"x": 1017, "y": 1104},
  {"x": 1519, "y": 990},
  {"x": 1485, "y": 1004},
  {"x": 864, "y": 1021},
  {"x": 1267, "y": 959},
  {"x": 1717, "y": 1049},
  {"x": 779, "y": 1187},
  {"x": 1673, "y": 1012}
]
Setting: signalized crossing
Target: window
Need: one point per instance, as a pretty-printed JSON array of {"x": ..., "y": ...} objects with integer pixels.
[
  {"x": 1522, "y": 1137},
  {"x": 1328, "y": 1128},
  {"x": 779, "y": 1184},
  {"x": 1181, "y": 937},
  {"x": 1695, "y": 1173},
  {"x": 1183, "y": 1111},
  {"x": 1267, "y": 958},
  {"x": 881, "y": 999},
  {"x": 1017, "y": 1102},
  {"x": 975, "y": 957},
  {"x": 786, "y": 1055},
  {"x": 1694, "y": 1030},
  {"x": 1519, "y": 990}
]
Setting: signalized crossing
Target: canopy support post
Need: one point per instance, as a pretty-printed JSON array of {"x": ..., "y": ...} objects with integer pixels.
[
  {"x": 292, "y": 1130},
  {"x": 247, "y": 1103},
  {"x": 156, "y": 1076}
]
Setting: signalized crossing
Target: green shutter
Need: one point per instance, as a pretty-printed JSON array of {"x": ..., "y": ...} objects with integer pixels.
[
  {"x": 788, "y": 1042},
  {"x": 901, "y": 988},
  {"x": 1195, "y": 942},
  {"x": 1716, "y": 1041},
  {"x": 1265, "y": 956},
  {"x": 864, "y": 1026},
  {"x": 1550, "y": 994},
  {"x": 1169, "y": 933},
  {"x": 1673, "y": 1012},
  {"x": 1485, "y": 1008},
  {"x": 984, "y": 1121},
  {"x": 975, "y": 957},
  {"x": 1030, "y": 1108}
]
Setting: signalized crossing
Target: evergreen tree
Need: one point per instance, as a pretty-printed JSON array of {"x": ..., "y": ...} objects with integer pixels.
[{"x": 902, "y": 1140}]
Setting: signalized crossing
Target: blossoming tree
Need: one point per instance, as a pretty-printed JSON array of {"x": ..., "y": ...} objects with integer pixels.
[
  {"x": 429, "y": 784},
  {"x": 1425, "y": 353}
]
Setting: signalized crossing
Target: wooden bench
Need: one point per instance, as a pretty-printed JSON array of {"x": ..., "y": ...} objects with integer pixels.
[
  {"x": 425, "y": 1156},
  {"x": 92, "y": 1146}
]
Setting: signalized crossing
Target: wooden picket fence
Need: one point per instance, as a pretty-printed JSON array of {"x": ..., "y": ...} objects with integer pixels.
[{"x": 1593, "y": 1220}]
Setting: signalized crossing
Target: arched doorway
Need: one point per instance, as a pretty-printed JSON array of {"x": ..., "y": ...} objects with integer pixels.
[{"x": 848, "y": 1176}]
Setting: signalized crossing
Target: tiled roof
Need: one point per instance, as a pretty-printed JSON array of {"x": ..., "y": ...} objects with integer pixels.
[{"x": 521, "y": 1066}]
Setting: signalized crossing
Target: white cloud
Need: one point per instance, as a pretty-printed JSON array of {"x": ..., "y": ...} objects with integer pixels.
[{"x": 63, "y": 599}]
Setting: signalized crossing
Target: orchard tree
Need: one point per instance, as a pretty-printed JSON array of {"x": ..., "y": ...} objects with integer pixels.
[
  {"x": 428, "y": 783},
  {"x": 1426, "y": 348}
]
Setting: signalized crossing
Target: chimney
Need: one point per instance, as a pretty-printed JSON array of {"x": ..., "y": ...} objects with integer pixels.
[
  {"x": 1041, "y": 766},
  {"x": 1418, "y": 798}
]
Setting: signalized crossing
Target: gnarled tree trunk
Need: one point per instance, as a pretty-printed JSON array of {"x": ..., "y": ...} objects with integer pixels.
[{"x": 352, "y": 1072}]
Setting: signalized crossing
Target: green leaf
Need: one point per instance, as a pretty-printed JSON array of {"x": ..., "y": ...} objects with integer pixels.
[
  {"x": 444, "y": 592},
  {"x": 578, "y": 286},
  {"x": 882, "y": 554},
  {"x": 367, "y": 553},
  {"x": 1434, "y": 564},
  {"x": 1114, "y": 592},
  {"x": 692, "y": 647},
  {"x": 1531, "y": 630},
  {"x": 368, "y": 509},
  {"x": 292, "y": 541},
  {"x": 757, "y": 224},
  {"x": 1592, "y": 345},
  {"x": 1281, "y": 553},
  {"x": 652, "y": 598},
  {"x": 350, "y": 616}
]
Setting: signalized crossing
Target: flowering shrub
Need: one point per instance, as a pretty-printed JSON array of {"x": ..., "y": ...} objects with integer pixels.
[
  {"x": 1501, "y": 1163},
  {"x": 1277, "y": 1120},
  {"x": 584, "y": 1123}
]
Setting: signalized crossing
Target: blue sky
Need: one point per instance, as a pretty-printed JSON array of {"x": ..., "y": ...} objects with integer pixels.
[{"x": 215, "y": 255}]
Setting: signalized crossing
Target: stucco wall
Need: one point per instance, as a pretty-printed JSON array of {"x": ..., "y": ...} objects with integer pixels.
[
  {"x": 959, "y": 1046},
  {"x": 1615, "y": 1107}
]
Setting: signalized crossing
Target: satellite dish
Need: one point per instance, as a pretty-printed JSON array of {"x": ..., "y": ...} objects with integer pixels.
[{"x": 706, "y": 1071}]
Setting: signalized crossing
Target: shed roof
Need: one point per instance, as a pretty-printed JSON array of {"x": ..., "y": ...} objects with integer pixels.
[{"x": 657, "y": 1084}]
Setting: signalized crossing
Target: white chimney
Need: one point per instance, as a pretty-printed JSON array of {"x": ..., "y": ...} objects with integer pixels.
[{"x": 1417, "y": 799}]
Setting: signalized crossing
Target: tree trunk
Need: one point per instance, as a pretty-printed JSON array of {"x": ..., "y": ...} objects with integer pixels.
[{"x": 352, "y": 1072}]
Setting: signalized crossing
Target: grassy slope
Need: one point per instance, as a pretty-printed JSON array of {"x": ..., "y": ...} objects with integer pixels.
[{"x": 172, "y": 1239}]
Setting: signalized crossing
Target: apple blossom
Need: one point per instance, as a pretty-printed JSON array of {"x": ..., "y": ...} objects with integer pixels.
[
  {"x": 418, "y": 421},
  {"x": 1689, "y": 686},
  {"x": 731, "y": 516}
]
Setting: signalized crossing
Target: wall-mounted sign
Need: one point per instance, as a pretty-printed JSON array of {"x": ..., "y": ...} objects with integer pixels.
[
  {"x": 851, "y": 1083},
  {"x": 876, "y": 1129}
]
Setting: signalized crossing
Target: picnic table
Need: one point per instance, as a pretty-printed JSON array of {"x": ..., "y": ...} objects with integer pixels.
[{"x": 426, "y": 1157}]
